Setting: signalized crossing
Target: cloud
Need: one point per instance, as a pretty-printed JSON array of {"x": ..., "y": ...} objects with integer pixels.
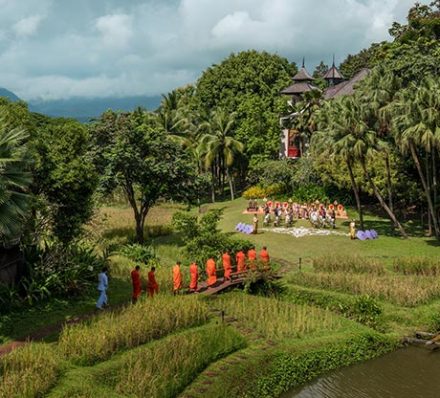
[
  {"x": 27, "y": 26},
  {"x": 115, "y": 29},
  {"x": 58, "y": 49}
]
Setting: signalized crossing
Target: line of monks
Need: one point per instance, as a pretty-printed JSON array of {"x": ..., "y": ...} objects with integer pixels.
[{"x": 243, "y": 262}]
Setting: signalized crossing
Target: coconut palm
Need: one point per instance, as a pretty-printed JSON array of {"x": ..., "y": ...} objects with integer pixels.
[
  {"x": 14, "y": 181},
  {"x": 416, "y": 122},
  {"x": 218, "y": 147},
  {"x": 334, "y": 140}
]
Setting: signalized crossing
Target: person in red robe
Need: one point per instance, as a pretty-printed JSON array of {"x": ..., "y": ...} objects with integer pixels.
[
  {"x": 193, "y": 276},
  {"x": 177, "y": 278},
  {"x": 136, "y": 282},
  {"x": 153, "y": 287},
  {"x": 211, "y": 272},
  {"x": 252, "y": 257},
  {"x": 240, "y": 258},
  {"x": 264, "y": 257},
  {"x": 227, "y": 266}
]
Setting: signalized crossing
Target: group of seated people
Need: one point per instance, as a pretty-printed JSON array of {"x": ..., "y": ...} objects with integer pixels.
[
  {"x": 244, "y": 262},
  {"x": 320, "y": 215}
]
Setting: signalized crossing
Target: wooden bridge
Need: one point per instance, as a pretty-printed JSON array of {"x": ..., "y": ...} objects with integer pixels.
[{"x": 237, "y": 278}]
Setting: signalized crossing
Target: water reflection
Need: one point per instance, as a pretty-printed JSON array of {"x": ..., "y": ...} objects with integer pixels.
[{"x": 407, "y": 373}]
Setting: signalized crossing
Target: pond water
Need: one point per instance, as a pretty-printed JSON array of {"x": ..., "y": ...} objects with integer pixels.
[{"x": 406, "y": 373}]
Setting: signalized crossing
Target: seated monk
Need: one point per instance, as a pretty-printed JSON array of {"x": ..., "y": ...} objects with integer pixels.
[
  {"x": 227, "y": 266},
  {"x": 194, "y": 276},
  {"x": 211, "y": 272},
  {"x": 153, "y": 287},
  {"x": 252, "y": 257},
  {"x": 240, "y": 258}
]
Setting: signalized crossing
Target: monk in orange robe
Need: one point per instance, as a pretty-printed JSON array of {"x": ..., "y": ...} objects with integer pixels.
[
  {"x": 211, "y": 272},
  {"x": 264, "y": 257},
  {"x": 153, "y": 287},
  {"x": 193, "y": 276},
  {"x": 227, "y": 266},
  {"x": 177, "y": 278},
  {"x": 252, "y": 257},
  {"x": 240, "y": 257},
  {"x": 136, "y": 282}
]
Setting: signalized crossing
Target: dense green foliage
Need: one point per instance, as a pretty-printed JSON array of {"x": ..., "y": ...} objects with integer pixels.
[{"x": 248, "y": 83}]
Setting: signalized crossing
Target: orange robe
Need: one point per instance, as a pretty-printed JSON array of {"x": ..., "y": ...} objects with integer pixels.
[
  {"x": 252, "y": 256},
  {"x": 211, "y": 272},
  {"x": 136, "y": 282},
  {"x": 153, "y": 287},
  {"x": 177, "y": 278},
  {"x": 193, "y": 276},
  {"x": 264, "y": 257},
  {"x": 241, "y": 261},
  {"x": 227, "y": 266}
]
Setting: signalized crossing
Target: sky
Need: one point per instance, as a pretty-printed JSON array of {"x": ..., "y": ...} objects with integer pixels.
[{"x": 57, "y": 49}]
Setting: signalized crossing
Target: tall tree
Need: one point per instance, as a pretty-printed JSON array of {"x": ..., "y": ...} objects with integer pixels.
[
  {"x": 141, "y": 159},
  {"x": 218, "y": 146}
]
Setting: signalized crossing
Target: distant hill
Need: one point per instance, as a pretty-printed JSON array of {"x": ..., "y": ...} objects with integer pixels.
[
  {"x": 8, "y": 94},
  {"x": 84, "y": 109}
]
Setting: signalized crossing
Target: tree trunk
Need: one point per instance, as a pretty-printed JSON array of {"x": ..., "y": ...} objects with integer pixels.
[
  {"x": 389, "y": 183},
  {"x": 434, "y": 181},
  {"x": 428, "y": 184},
  {"x": 382, "y": 202},
  {"x": 139, "y": 228},
  {"x": 139, "y": 231},
  {"x": 231, "y": 185},
  {"x": 425, "y": 188},
  {"x": 356, "y": 194}
]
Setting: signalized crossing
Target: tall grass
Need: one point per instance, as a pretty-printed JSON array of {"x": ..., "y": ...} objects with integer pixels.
[
  {"x": 28, "y": 371},
  {"x": 277, "y": 319},
  {"x": 148, "y": 320},
  {"x": 401, "y": 290},
  {"x": 348, "y": 263},
  {"x": 427, "y": 266},
  {"x": 164, "y": 369}
]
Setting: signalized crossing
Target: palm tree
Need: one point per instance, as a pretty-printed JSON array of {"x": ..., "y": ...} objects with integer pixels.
[
  {"x": 217, "y": 146},
  {"x": 334, "y": 139},
  {"x": 14, "y": 182},
  {"x": 416, "y": 122}
]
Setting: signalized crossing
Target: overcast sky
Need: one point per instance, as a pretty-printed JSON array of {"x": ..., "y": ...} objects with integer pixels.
[{"x": 63, "y": 48}]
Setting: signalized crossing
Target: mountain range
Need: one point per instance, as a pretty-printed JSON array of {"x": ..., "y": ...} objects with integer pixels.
[{"x": 85, "y": 109}]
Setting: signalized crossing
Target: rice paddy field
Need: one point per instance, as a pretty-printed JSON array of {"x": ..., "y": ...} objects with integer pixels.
[{"x": 343, "y": 302}]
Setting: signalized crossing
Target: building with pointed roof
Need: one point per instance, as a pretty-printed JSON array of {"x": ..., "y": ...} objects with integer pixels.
[
  {"x": 303, "y": 82},
  {"x": 333, "y": 76}
]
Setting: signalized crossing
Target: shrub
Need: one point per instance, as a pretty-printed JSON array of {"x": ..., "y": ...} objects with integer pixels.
[
  {"x": 167, "y": 367},
  {"x": 366, "y": 310},
  {"x": 348, "y": 263},
  {"x": 263, "y": 283},
  {"x": 58, "y": 270},
  {"x": 255, "y": 192},
  {"x": 139, "y": 253},
  {"x": 28, "y": 371},
  {"x": 426, "y": 266},
  {"x": 148, "y": 320},
  {"x": 202, "y": 237},
  {"x": 310, "y": 193}
]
